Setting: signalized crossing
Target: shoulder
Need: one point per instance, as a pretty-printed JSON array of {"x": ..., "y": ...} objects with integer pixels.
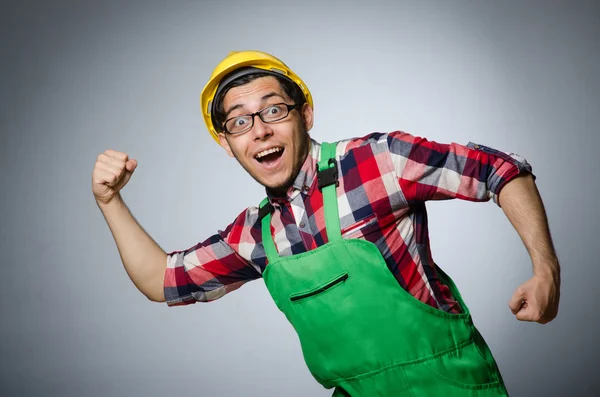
[
  {"x": 378, "y": 141},
  {"x": 251, "y": 215},
  {"x": 243, "y": 223}
]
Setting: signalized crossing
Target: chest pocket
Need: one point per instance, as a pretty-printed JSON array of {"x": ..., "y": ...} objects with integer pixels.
[{"x": 320, "y": 289}]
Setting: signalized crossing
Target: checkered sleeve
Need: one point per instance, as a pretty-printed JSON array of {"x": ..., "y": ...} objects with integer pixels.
[
  {"x": 210, "y": 269},
  {"x": 428, "y": 170}
]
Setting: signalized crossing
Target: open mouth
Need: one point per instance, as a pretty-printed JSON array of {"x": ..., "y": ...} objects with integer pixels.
[{"x": 269, "y": 156}]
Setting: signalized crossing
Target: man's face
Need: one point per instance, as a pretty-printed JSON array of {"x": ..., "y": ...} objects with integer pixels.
[{"x": 287, "y": 139}]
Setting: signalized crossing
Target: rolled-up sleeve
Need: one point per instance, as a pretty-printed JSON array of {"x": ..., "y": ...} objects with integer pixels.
[
  {"x": 428, "y": 170},
  {"x": 208, "y": 270}
]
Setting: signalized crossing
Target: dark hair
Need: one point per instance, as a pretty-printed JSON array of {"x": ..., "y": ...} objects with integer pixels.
[{"x": 290, "y": 89}]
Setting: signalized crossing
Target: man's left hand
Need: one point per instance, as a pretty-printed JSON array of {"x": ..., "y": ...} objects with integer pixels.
[{"x": 536, "y": 299}]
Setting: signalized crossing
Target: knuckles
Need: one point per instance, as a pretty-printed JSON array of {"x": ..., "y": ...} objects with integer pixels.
[
  {"x": 110, "y": 153},
  {"x": 103, "y": 160}
]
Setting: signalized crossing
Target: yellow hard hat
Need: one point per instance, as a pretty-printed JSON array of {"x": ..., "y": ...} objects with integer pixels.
[{"x": 244, "y": 59}]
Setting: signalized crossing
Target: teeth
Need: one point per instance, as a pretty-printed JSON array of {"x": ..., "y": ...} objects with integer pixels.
[{"x": 268, "y": 151}]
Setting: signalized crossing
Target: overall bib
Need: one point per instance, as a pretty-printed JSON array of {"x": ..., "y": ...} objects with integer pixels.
[{"x": 360, "y": 331}]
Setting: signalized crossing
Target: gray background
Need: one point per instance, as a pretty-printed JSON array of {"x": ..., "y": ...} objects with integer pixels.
[{"x": 81, "y": 77}]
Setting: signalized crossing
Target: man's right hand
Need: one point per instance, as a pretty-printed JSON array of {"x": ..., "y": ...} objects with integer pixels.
[{"x": 111, "y": 173}]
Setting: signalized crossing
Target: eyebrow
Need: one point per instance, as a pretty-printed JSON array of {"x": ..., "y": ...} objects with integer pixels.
[{"x": 264, "y": 98}]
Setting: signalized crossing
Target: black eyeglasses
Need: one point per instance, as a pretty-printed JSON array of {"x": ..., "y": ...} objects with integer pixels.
[{"x": 270, "y": 114}]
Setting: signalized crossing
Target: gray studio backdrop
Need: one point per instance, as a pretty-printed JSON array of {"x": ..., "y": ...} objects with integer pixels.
[{"x": 82, "y": 77}]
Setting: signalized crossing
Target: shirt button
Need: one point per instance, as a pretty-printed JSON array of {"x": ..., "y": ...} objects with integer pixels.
[{"x": 302, "y": 224}]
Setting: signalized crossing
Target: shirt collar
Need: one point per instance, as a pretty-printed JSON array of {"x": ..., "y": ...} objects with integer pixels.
[{"x": 305, "y": 178}]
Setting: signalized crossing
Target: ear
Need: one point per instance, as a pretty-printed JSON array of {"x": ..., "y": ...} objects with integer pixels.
[
  {"x": 307, "y": 116},
  {"x": 225, "y": 144}
]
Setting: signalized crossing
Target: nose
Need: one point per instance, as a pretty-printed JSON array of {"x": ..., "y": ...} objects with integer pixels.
[{"x": 260, "y": 129}]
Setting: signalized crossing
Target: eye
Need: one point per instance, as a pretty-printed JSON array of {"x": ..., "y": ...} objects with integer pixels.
[
  {"x": 273, "y": 110},
  {"x": 239, "y": 122}
]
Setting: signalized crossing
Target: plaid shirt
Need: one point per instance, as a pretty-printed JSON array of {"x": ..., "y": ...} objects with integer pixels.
[{"x": 384, "y": 182}]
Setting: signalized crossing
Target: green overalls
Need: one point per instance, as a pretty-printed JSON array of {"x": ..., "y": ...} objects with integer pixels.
[{"x": 360, "y": 331}]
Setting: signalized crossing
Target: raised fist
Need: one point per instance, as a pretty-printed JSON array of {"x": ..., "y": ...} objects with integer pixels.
[{"x": 111, "y": 173}]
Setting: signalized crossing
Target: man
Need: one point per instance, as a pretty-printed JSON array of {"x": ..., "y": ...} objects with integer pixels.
[{"x": 341, "y": 239}]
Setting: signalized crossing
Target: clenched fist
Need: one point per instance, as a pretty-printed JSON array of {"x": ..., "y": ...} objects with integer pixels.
[
  {"x": 537, "y": 299},
  {"x": 111, "y": 173}
]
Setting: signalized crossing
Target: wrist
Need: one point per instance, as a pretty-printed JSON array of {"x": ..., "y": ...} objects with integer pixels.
[
  {"x": 547, "y": 268},
  {"x": 107, "y": 205}
]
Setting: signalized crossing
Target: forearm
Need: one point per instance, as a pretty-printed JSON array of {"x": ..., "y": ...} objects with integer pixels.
[
  {"x": 522, "y": 204},
  {"x": 144, "y": 261}
]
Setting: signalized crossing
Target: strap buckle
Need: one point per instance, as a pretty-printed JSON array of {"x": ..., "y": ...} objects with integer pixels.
[
  {"x": 265, "y": 210},
  {"x": 328, "y": 176}
]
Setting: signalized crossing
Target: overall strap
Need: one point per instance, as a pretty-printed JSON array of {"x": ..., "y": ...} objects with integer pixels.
[
  {"x": 327, "y": 175},
  {"x": 264, "y": 212}
]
